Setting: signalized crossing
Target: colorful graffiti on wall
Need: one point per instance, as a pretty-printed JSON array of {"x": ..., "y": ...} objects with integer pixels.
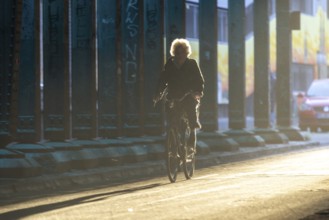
[{"x": 306, "y": 43}]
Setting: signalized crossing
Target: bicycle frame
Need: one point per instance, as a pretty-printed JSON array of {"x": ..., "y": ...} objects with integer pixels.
[
  {"x": 178, "y": 123},
  {"x": 178, "y": 133}
]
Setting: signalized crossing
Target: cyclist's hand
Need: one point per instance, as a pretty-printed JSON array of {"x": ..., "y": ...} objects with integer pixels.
[
  {"x": 156, "y": 99},
  {"x": 196, "y": 96}
]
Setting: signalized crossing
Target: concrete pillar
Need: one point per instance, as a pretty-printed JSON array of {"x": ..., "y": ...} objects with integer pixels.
[
  {"x": 37, "y": 72},
  {"x": 236, "y": 19},
  {"x": 83, "y": 72},
  {"x": 154, "y": 51},
  {"x": 55, "y": 71},
  {"x": 262, "y": 75},
  {"x": 175, "y": 22},
  {"x": 14, "y": 120},
  {"x": 261, "y": 64},
  {"x": 132, "y": 74},
  {"x": 118, "y": 71},
  {"x": 6, "y": 45},
  {"x": 237, "y": 77},
  {"x": 283, "y": 39},
  {"x": 67, "y": 72},
  {"x": 107, "y": 77},
  {"x": 208, "y": 62},
  {"x": 283, "y": 84},
  {"x": 27, "y": 85}
]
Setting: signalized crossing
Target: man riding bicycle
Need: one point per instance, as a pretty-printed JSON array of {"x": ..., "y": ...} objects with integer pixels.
[{"x": 181, "y": 75}]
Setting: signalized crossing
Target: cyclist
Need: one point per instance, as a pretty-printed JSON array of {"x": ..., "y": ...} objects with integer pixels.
[{"x": 179, "y": 76}]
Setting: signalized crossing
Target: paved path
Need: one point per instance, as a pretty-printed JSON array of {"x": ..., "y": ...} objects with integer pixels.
[
  {"x": 286, "y": 186},
  {"x": 148, "y": 169}
]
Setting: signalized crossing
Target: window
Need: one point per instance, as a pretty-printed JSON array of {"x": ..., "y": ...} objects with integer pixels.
[
  {"x": 271, "y": 9},
  {"x": 223, "y": 22},
  {"x": 249, "y": 19},
  {"x": 304, "y": 6},
  {"x": 192, "y": 27},
  {"x": 222, "y": 25}
]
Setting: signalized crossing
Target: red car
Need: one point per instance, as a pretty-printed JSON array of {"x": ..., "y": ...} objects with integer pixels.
[{"x": 313, "y": 109}]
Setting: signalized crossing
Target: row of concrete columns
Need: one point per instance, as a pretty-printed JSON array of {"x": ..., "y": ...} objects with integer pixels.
[
  {"x": 261, "y": 72},
  {"x": 99, "y": 69}
]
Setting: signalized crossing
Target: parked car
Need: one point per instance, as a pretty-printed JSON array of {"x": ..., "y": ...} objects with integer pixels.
[{"x": 313, "y": 109}]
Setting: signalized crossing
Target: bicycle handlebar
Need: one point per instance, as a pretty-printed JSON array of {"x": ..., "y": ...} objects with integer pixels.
[
  {"x": 163, "y": 94},
  {"x": 182, "y": 98}
]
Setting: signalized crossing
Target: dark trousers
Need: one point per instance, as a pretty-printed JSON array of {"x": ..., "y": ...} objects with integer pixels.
[{"x": 191, "y": 107}]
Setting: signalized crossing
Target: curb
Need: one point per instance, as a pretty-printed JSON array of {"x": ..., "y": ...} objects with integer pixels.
[{"x": 137, "y": 171}]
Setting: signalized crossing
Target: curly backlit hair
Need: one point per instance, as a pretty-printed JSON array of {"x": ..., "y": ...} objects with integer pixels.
[{"x": 180, "y": 42}]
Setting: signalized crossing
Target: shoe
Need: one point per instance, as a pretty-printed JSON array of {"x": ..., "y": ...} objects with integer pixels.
[
  {"x": 191, "y": 150},
  {"x": 197, "y": 125}
]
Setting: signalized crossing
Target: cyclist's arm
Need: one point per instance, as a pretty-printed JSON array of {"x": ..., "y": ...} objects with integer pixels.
[
  {"x": 161, "y": 85},
  {"x": 198, "y": 81}
]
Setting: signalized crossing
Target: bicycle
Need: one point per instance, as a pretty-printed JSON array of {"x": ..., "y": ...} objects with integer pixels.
[{"x": 178, "y": 153}]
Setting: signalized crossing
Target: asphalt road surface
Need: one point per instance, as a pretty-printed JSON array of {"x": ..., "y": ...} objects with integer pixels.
[{"x": 288, "y": 186}]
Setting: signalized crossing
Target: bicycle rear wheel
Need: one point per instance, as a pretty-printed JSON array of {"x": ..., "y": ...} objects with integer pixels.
[
  {"x": 172, "y": 159},
  {"x": 189, "y": 155}
]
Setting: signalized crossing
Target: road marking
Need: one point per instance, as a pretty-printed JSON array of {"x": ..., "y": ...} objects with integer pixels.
[
  {"x": 180, "y": 196},
  {"x": 206, "y": 176}
]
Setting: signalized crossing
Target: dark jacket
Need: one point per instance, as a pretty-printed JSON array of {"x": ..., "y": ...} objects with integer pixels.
[{"x": 180, "y": 80}]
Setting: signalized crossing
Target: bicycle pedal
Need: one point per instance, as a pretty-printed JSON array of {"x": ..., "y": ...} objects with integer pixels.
[{"x": 191, "y": 150}]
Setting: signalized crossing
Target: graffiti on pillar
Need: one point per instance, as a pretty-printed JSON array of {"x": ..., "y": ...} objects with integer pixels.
[
  {"x": 107, "y": 77},
  {"x": 27, "y": 19},
  {"x": 131, "y": 69},
  {"x": 131, "y": 63},
  {"x": 108, "y": 25},
  {"x": 152, "y": 24},
  {"x": 173, "y": 32},
  {"x": 82, "y": 12},
  {"x": 130, "y": 48},
  {"x": 153, "y": 50},
  {"x": 132, "y": 17},
  {"x": 130, "y": 57},
  {"x": 175, "y": 22}
]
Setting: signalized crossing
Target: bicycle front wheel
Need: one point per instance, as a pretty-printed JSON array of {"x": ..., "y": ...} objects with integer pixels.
[{"x": 172, "y": 159}]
